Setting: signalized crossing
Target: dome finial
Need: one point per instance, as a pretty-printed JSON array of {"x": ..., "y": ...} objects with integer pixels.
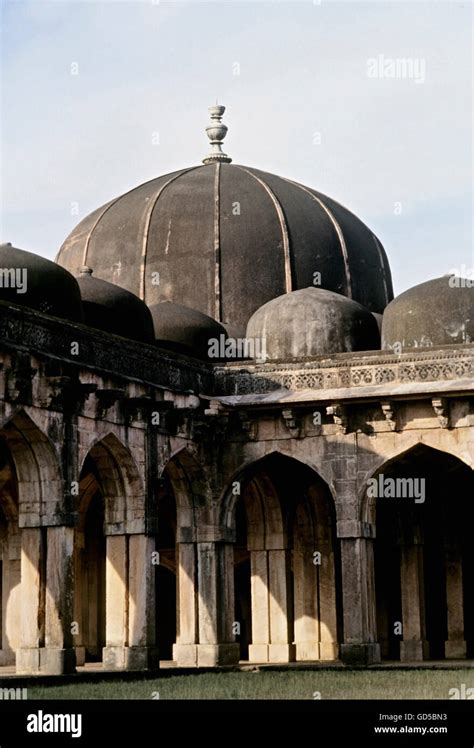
[{"x": 216, "y": 133}]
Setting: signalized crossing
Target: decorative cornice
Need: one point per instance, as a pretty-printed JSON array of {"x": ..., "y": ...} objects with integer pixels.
[
  {"x": 374, "y": 375},
  {"x": 27, "y": 331},
  {"x": 355, "y": 371}
]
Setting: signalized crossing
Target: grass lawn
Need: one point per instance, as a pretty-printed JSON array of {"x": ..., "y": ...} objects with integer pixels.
[{"x": 269, "y": 684}]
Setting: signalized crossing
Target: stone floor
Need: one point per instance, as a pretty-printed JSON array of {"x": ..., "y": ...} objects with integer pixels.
[{"x": 95, "y": 669}]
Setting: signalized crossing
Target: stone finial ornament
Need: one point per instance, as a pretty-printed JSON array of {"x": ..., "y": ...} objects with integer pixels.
[{"x": 216, "y": 133}]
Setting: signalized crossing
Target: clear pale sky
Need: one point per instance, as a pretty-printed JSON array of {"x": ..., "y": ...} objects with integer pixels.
[{"x": 396, "y": 152}]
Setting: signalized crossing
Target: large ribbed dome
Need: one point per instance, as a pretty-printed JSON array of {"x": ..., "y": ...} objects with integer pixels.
[{"x": 225, "y": 239}]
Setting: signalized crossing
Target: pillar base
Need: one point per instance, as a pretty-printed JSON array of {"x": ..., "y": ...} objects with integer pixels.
[
  {"x": 316, "y": 651},
  {"x": 455, "y": 649},
  {"x": 130, "y": 658},
  {"x": 414, "y": 650},
  {"x": 328, "y": 650},
  {"x": 272, "y": 653},
  {"x": 258, "y": 653},
  {"x": 80, "y": 655},
  {"x": 185, "y": 655},
  {"x": 7, "y": 657},
  {"x": 360, "y": 655},
  {"x": 45, "y": 661},
  {"x": 205, "y": 655},
  {"x": 281, "y": 652},
  {"x": 307, "y": 651},
  {"x": 211, "y": 655}
]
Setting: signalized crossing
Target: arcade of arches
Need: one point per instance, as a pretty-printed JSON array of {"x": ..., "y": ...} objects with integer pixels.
[{"x": 257, "y": 573}]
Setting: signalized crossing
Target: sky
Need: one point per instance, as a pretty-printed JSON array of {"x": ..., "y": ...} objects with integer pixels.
[{"x": 98, "y": 97}]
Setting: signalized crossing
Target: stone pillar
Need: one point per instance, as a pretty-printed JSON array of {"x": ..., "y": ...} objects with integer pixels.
[
  {"x": 306, "y": 613},
  {"x": 79, "y": 572},
  {"x": 328, "y": 644},
  {"x": 116, "y": 600},
  {"x": 258, "y": 649},
  {"x": 141, "y": 653},
  {"x": 455, "y": 645},
  {"x": 32, "y": 601},
  {"x": 11, "y": 598},
  {"x": 280, "y": 648},
  {"x": 185, "y": 649},
  {"x": 215, "y": 561},
  {"x": 358, "y": 592},
  {"x": 58, "y": 655},
  {"x": 130, "y": 603},
  {"x": 413, "y": 646}
]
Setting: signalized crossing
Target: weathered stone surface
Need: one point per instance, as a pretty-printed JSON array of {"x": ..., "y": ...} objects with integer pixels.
[{"x": 90, "y": 493}]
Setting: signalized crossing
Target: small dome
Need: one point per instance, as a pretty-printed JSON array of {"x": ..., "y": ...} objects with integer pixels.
[
  {"x": 185, "y": 330},
  {"x": 114, "y": 309},
  {"x": 438, "y": 312},
  {"x": 313, "y": 322},
  {"x": 35, "y": 282}
]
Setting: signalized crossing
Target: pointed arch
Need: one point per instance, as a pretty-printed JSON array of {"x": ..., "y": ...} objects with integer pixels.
[
  {"x": 190, "y": 485},
  {"x": 282, "y": 513},
  {"x": 366, "y": 503},
  {"x": 36, "y": 464},
  {"x": 229, "y": 499},
  {"x": 422, "y": 511},
  {"x": 117, "y": 474}
]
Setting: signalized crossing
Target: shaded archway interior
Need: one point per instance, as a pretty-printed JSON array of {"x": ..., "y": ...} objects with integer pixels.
[
  {"x": 424, "y": 563},
  {"x": 286, "y": 564},
  {"x": 90, "y": 568},
  {"x": 165, "y": 570}
]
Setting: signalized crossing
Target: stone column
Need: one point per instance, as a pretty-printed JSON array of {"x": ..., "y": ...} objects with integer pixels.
[
  {"x": 185, "y": 649},
  {"x": 258, "y": 649},
  {"x": 79, "y": 572},
  {"x": 215, "y": 561},
  {"x": 327, "y": 613},
  {"x": 32, "y": 601},
  {"x": 455, "y": 645},
  {"x": 116, "y": 601},
  {"x": 358, "y": 592},
  {"x": 58, "y": 655},
  {"x": 307, "y": 628},
  {"x": 328, "y": 644},
  {"x": 414, "y": 645},
  {"x": 11, "y": 598},
  {"x": 141, "y": 653},
  {"x": 281, "y": 648}
]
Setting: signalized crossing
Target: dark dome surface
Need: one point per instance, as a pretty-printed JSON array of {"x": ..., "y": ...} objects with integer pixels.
[
  {"x": 438, "y": 312},
  {"x": 313, "y": 322},
  {"x": 184, "y": 330},
  {"x": 226, "y": 239},
  {"x": 111, "y": 308},
  {"x": 49, "y": 288}
]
